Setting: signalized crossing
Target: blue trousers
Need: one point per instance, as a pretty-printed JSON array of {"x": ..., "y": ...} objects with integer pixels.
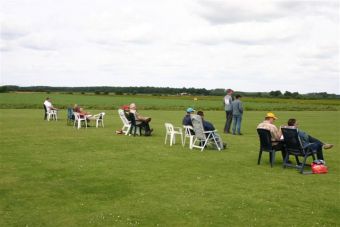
[{"x": 237, "y": 119}]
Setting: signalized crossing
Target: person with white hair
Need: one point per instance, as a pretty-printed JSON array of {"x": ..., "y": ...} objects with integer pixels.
[{"x": 141, "y": 120}]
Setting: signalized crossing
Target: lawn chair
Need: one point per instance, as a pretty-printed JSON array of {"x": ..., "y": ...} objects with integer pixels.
[
  {"x": 172, "y": 131},
  {"x": 99, "y": 119},
  {"x": 294, "y": 146},
  {"x": 134, "y": 126},
  {"x": 266, "y": 145},
  {"x": 188, "y": 133},
  {"x": 78, "y": 119},
  {"x": 126, "y": 123},
  {"x": 203, "y": 138},
  {"x": 50, "y": 114},
  {"x": 70, "y": 116}
]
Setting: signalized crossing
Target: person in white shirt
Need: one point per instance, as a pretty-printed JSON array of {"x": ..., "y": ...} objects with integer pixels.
[{"x": 48, "y": 107}]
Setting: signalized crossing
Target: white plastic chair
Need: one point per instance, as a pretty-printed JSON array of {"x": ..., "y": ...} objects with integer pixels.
[
  {"x": 99, "y": 119},
  {"x": 78, "y": 119},
  {"x": 126, "y": 123},
  {"x": 188, "y": 134},
  {"x": 51, "y": 115},
  {"x": 172, "y": 132}
]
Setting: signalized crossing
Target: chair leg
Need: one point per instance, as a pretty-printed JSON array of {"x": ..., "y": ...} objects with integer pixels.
[
  {"x": 284, "y": 165},
  {"x": 303, "y": 164},
  {"x": 272, "y": 160},
  {"x": 259, "y": 159},
  {"x": 182, "y": 139},
  {"x": 172, "y": 139},
  {"x": 191, "y": 140}
]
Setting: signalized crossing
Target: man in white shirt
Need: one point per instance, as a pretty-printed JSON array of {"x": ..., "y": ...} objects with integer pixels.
[{"x": 48, "y": 106}]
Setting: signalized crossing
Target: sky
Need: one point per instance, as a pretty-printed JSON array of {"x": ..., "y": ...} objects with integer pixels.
[{"x": 248, "y": 45}]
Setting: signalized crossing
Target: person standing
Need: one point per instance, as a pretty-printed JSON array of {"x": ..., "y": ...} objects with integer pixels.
[
  {"x": 228, "y": 110},
  {"x": 237, "y": 110}
]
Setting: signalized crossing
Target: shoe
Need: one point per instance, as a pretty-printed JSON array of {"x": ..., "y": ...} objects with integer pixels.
[
  {"x": 327, "y": 146},
  {"x": 240, "y": 134},
  {"x": 148, "y": 133},
  {"x": 234, "y": 133}
]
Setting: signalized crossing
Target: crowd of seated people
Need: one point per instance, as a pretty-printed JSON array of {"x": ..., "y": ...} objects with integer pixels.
[{"x": 130, "y": 111}]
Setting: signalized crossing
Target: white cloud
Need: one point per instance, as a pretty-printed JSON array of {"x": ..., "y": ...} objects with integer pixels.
[{"x": 178, "y": 43}]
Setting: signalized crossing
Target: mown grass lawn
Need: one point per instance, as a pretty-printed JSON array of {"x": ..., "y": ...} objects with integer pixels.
[{"x": 52, "y": 174}]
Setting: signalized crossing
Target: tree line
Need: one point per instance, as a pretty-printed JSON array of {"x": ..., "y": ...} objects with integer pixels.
[{"x": 106, "y": 90}]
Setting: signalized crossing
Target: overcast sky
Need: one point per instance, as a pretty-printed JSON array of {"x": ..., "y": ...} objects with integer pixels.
[{"x": 251, "y": 45}]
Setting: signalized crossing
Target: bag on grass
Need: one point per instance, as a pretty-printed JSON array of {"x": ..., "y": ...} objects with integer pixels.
[{"x": 318, "y": 167}]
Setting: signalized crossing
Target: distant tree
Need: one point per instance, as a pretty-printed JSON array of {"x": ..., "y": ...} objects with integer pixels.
[
  {"x": 287, "y": 94},
  {"x": 275, "y": 93},
  {"x": 3, "y": 89}
]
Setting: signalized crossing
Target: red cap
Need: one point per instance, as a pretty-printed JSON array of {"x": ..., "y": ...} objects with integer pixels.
[{"x": 125, "y": 107}]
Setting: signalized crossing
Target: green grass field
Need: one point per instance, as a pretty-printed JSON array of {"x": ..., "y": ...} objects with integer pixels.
[
  {"x": 52, "y": 174},
  {"x": 109, "y": 102}
]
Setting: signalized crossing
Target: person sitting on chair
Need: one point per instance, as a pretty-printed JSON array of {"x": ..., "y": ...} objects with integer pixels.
[
  {"x": 83, "y": 113},
  {"x": 187, "y": 119},
  {"x": 207, "y": 126},
  {"x": 48, "y": 105},
  {"x": 141, "y": 120},
  {"x": 309, "y": 141},
  {"x": 276, "y": 134}
]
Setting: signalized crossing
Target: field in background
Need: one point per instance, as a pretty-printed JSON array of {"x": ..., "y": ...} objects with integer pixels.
[
  {"x": 54, "y": 175},
  {"x": 90, "y": 101}
]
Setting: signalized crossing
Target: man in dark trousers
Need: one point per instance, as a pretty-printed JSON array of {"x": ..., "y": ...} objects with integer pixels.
[{"x": 228, "y": 110}]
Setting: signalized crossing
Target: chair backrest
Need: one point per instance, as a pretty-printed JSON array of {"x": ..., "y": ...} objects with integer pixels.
[
  {"x": 197, "y": 124},
  {"x": 265, "y": 139},
  {"x": 123, "y": 117},
  {"x": 132, "y": 119},
  {"x": 169, "y": 127},
  {"x": 101, "y": 116},
  {"x": 292, "y": 141}
]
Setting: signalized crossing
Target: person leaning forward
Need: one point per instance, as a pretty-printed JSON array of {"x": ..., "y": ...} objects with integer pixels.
[{"x": 268, "y": 124}]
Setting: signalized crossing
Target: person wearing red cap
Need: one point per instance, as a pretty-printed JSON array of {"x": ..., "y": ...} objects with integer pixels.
[{"x": 228, "y": 110}]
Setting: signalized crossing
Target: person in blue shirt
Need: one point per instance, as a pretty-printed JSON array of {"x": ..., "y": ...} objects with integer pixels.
[
  {"x": 237, "y": 108},
  {"x": 187, "y": 119},
  {"x": 207, "y": 126},
  {"x": 310, "y": 141}
]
